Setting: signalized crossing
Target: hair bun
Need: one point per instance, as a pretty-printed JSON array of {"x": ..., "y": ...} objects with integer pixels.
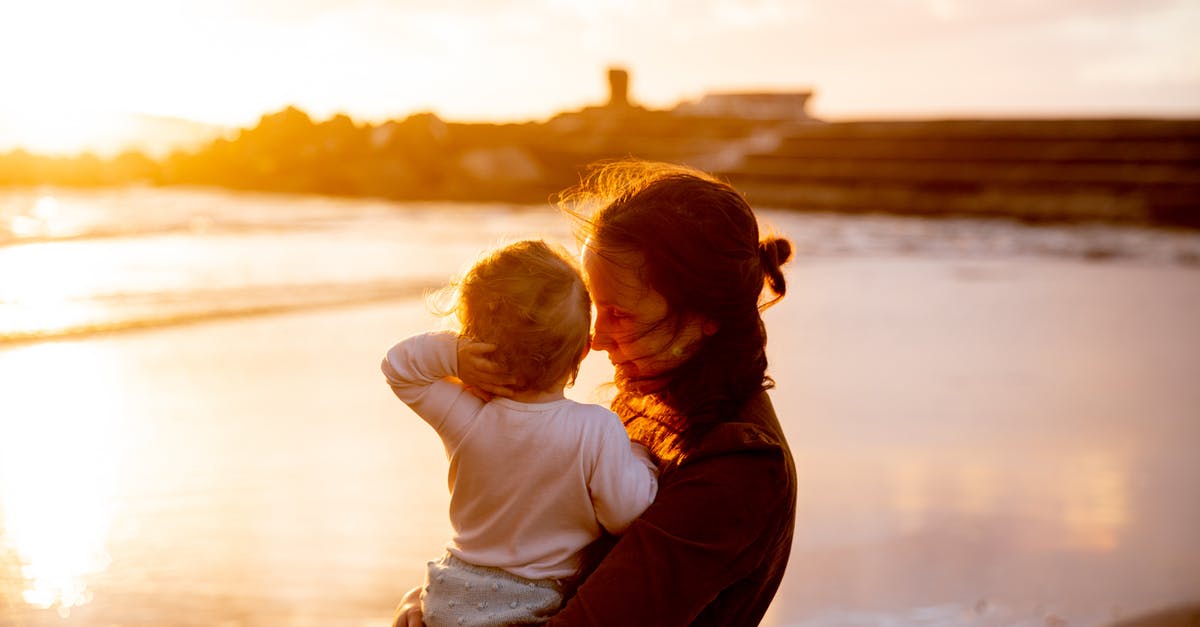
[{"x": 773, "y": 252}]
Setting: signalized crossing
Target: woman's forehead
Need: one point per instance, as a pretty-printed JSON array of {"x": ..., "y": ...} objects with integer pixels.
[{"x": 613, "y": 277}]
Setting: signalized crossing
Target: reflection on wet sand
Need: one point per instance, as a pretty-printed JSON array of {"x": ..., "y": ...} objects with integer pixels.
[
  {"x": 980, "y": 538},
  {"x": 57, "y": 470},
  {"x": 55, "y": 297},
  {"x": 1080, "y": 500},
  {"x": 1091, "y": 489},
  {"x": 1095, "y": 497}
]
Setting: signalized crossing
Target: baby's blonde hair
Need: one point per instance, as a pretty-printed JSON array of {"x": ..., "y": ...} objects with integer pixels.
[{"x": 528, "y": 299}]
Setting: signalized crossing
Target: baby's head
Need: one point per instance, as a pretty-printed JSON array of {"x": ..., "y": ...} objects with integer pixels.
[{"x": 528, "y": 299}]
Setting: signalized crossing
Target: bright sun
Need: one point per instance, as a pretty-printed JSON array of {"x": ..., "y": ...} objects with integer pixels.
[
  {"x": 80, "y": 83},
  {"x": 57, "y": 130},
  {"x": 59, "y": 98}
]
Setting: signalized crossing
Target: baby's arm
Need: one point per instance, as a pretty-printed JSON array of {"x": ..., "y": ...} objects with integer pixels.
[
  {"x": 624, "y": 481},
  {"x": 417, "y": 369}
]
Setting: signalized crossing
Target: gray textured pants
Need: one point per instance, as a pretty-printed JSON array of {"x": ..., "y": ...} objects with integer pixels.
[{"x": 458, "y": 593}]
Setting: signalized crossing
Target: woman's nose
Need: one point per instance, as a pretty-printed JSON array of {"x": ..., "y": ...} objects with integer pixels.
[{"x": 601, "y": 338}]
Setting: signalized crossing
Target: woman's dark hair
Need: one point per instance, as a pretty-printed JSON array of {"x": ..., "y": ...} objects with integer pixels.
[{"x": 699, "y": 242}]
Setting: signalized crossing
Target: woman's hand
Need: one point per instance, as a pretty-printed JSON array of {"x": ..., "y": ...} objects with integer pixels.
[
  {"x": 482, "y": 376},
  {"x": 408, "y": 613}
]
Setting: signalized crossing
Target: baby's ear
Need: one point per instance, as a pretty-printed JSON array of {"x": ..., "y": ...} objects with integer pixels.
[{"x": 710, "y": 327}]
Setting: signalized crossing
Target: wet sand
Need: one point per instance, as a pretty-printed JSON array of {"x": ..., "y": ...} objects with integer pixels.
[
  {"x": 982, "y": 442},
  {"x": 990, "y": 443}
]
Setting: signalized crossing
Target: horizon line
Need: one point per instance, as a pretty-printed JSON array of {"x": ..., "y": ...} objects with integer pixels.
[{"x": 214, "y": 131}]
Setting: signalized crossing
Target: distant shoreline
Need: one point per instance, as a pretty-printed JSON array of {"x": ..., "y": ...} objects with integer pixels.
[{"x": 1135, "y": 171}]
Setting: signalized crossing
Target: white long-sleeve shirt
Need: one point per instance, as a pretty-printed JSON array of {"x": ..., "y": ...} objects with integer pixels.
[{"x": 531, "y": 484}]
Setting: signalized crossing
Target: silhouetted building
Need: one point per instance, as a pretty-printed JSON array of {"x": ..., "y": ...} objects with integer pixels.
[
  {"x": 790, "y": 106},
  {"x": 618, "y": 87}
]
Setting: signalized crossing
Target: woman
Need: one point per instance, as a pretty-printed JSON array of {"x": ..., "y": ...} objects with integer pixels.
[{"x": 674, "y": 263}]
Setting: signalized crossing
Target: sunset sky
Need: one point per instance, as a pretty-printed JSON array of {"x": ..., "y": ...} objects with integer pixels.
[{"x": 68, "y": 66}]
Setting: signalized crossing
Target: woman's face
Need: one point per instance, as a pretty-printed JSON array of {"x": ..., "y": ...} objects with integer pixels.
[{"x": 634, "y": 324}]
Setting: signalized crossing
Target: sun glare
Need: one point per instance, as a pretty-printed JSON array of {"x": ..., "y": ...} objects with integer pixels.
[
  {"x": 84, "y": 74},
  {"x": 61, "y": 131},
  {"x": 57, "y": 469},
  {"x": 48, "y": 286},
  {"x": 50, "y": 296}
]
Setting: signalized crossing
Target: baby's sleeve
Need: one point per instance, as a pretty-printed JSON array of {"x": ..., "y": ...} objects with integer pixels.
[
  {"x": 624, "y": 479},
  {"x": 417, "y": 369}
]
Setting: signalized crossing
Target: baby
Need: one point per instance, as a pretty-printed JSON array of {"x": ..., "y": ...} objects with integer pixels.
[{"x": 534, "y": 477}]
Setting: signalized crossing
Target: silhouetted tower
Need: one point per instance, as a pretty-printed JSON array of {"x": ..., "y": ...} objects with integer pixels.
[{"x": 618, "y": 87}]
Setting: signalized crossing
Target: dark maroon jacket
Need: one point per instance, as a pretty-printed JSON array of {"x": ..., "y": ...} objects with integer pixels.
[{"x": 712, "y": 548}]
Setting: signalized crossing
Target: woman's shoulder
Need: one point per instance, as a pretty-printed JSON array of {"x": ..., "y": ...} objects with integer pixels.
[
  {"x": 743, "y": 464},
  {"x": 753, "y": 428}
]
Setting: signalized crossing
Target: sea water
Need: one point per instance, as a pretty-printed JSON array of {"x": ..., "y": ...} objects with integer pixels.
[{"x": 77, "y": 262}]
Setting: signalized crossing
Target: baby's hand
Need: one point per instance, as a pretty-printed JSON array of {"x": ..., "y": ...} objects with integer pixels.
[{"x": 482, "y": 376}]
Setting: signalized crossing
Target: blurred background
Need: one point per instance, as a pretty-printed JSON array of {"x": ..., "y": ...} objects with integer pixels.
[{"x": 215, "y": 217}]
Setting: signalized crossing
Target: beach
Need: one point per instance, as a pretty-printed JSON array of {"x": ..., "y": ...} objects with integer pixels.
[
  {"x": 990, "y": 443},
  {"x": 1011, "y": 440},
  {"x": 980, "y": 439}
]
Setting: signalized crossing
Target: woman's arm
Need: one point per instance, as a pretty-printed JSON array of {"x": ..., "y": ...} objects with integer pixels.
[
  {"x": 706, "y": 531},
  {"x": 408, "y": 612}
]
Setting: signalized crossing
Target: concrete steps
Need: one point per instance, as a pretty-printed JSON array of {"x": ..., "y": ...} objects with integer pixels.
[{"x": 1145, "y": 171}]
